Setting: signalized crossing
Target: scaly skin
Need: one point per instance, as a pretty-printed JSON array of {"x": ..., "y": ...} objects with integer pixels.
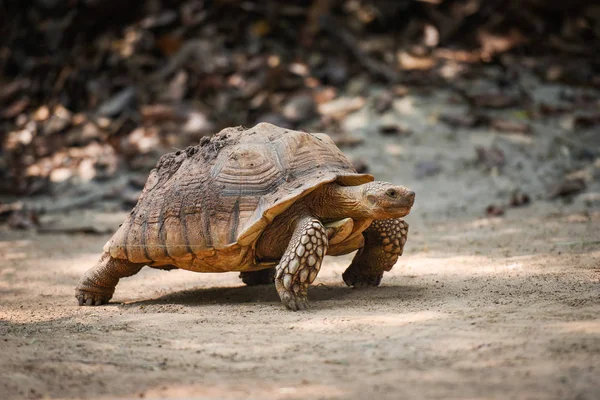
[
  {"x": 98, "y": 284},
  {"x": 337, "y": 231},
  {"x": 300, "y": 263},
  {"x": 384, "y": 242}
]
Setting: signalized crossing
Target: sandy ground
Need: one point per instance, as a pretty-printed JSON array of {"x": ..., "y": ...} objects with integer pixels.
[{"x": 477, "y": 308}]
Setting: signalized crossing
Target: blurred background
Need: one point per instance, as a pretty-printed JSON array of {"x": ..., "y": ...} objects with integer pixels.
[
  {"x": 499, "y": 95},
  {"x": 488, "y": 110}
]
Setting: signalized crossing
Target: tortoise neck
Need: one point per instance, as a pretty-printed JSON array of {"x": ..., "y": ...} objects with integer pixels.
[{"x": 333, "y": 201}]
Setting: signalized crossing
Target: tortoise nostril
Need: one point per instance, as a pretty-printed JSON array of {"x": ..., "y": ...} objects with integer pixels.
[{"x": 411, "y": 194}]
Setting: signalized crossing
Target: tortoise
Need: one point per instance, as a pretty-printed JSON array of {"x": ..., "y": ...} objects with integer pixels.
[{"x": 266, "y": 201}]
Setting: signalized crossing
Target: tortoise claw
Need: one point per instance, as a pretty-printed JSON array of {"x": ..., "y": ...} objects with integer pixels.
[
  {"x": 356, "y": 280},
  {"x": 91, "y": 299},
  {"x": 295, "y": 302}
]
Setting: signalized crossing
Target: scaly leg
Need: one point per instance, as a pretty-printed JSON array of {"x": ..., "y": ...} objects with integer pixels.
[
  {"x": 261, "y": 277},
  {"x": 384, "y": 242},
  {"x": 300, "y": 263},
  {"x": 98, "y": 283}
]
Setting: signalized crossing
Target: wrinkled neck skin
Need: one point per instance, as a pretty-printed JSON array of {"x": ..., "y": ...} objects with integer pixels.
[{"x": 334, "y": 202}]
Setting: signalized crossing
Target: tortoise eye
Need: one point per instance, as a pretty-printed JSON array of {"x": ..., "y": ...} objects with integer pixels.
[{"x": 393, "y": 193}]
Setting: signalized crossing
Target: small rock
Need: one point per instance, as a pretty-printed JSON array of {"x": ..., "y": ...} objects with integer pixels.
[
  {"x": 519, "y": 199},
  {"x": 90, "y": 133},
  {"x": 60, "y": 174},
  {"x": 325, "y": 94},
  {"x": 140, "y": 141},
  {"x": 86, "y": 170},
  {"x": 41, "y": 114},
  {"x": 19, "y": 138},
  {"x": 197, "y": 124},
  {"x": 390, "y": 129},
  {"x": 342, "y": 106},
  {"x": 494, "y": 211}
]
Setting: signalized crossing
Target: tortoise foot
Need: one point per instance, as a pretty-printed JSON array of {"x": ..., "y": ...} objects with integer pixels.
[
  {"x": 262, "y": 277},
  {"x": 98, "y": 283},
  {"x": 294, "y": 301},
  {"x": 352, "y": 277},
  {"x": 384, "y": 242},
  {"x": 87, "y": 298}
]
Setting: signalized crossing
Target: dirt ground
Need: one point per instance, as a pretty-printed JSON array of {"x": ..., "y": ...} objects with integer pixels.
[{"x": 477, "y": 308}]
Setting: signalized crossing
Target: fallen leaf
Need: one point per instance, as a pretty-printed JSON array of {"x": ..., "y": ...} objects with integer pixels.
[
  {"x": 504, "y": 125},
  {"x": 495, "y": 100},
  {"x": 460, "y": 121}
]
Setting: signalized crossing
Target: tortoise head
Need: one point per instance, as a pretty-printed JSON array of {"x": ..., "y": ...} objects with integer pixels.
[{"x": 385, "y": 200}]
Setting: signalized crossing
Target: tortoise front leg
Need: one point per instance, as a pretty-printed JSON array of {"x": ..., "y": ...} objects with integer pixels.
[
  {"x": 300, "y": 263},
  {"x": 384, "y": 242},
  {"x": 98, "y": 283}
]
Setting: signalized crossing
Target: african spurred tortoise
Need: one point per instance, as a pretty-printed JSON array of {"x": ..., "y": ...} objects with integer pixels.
[{"x": 268, "y": 202}]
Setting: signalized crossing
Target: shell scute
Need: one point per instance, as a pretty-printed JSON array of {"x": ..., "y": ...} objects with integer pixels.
[{"x": 221, "y": 194}]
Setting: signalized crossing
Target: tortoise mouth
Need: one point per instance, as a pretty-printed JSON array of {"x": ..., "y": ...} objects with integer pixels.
[{"x": 399, "y": 211}]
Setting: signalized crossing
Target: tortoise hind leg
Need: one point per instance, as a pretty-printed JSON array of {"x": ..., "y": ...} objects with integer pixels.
[
  {"x": 384, "y": 242},
  {"x": 97, "y": 285},
  {"x": 262, "y": 277}
]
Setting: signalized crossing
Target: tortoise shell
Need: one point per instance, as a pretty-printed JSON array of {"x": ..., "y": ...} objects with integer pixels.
[{"x": 204, "y": 208}]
